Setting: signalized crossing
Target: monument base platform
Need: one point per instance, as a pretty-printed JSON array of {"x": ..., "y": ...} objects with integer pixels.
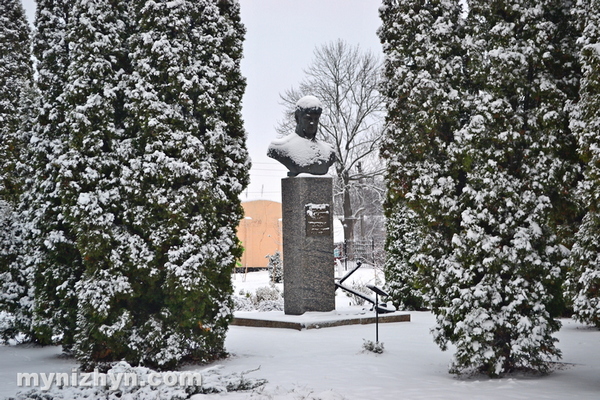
[{"x": 314, "y": 320}]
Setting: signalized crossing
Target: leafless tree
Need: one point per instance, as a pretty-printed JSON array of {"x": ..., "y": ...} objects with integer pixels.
[{"x": 346, "y": 80}]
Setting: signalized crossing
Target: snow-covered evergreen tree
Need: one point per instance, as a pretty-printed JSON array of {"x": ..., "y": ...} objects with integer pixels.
[
  {"x": 422, "y": 47},
  {"x": 96, "y": 155},
  {"x": 499, "y": 283},
  {"x": 156, "y": 178},
  {"x": 13, "y": 287},
  {"x": 481, "y": 169},
  {"x": 275, "y": 267},
  {"x": 50, "y": 243},
  {"x": 16, "y": 97},
  {"x": 403, "y": 278},
  {"x": 584, "y": 276},
  {"x": 16, "y": 76}
]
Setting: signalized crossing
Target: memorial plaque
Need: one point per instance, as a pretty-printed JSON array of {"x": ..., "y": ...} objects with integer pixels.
[{"x": 318, "y": 221}]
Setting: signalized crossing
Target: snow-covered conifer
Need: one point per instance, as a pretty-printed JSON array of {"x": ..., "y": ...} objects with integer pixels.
[
  {"x": 403, "y": 279},
  {"x": 161, "y": 240},
  {"x": 481, "y": 167},
  {"x": 16, "y": 76},
  {"x": 499, "y": 284},
  {"x": 16, "y": 81},
  {"x": 275, "y": 267},
  {"x": 96, "y": 153},
  {"x": 584, "y": 276},
  {"x": 49, "y": 244},
  {"x": 423, "y": 60}
]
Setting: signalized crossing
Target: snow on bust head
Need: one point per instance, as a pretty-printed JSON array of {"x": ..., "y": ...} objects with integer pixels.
[
  {"x": 307, "y": 114},
  {"x": 308, "y": 102},
  {"x": 302, "y": 152}
]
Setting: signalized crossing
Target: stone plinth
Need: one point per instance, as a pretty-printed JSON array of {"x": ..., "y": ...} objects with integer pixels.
[{"x": 308, "y": 268}]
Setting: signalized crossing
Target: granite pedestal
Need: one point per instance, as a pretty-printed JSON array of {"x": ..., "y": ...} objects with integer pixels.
[{"x": 308, "y": 267}]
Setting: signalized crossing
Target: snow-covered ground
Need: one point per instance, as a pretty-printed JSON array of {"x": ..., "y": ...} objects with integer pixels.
[{"x": 330, "y": 363}]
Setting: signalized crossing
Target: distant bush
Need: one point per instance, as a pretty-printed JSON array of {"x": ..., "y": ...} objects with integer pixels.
[
  {"x": 242, "y": 303},
  {"x": 275, "y": 267},
  {"x": 266, "y": 298},
  {"x": 359, "y": 287},
  {"x": 266, "y": 293}
]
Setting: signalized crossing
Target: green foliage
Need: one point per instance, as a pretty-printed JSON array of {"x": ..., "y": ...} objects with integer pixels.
[
  {"x": 405, "y": 282},
  {"x": 155, "y": 165},
  {"x": 423, "y": 65},
  {"x": 481, "y": 170},
  {"x": 16, "y": 77},
  {"x": 139, "y": 153},
  {"x": 49, "y": 245},
  {"x": 17, "y": 99},
  {"x": 583, "y": 285}
]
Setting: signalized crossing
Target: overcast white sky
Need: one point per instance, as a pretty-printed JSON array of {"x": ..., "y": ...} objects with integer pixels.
[{"x": 280, "y": 39}]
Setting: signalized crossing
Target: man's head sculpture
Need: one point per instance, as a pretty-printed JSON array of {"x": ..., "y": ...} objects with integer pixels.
[
  {"x": 302, "y": 152},
  {"x": 307, "y": 114}
]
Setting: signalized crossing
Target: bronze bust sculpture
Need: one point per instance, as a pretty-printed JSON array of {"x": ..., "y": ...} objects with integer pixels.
[{"x": 301, "y": 152}]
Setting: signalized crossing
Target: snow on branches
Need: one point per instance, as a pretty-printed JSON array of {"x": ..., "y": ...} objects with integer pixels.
[
  {"x": 584, "y": 277},
  {"x": 481, "y": 170},
  {"x": 142, "y": 140}
]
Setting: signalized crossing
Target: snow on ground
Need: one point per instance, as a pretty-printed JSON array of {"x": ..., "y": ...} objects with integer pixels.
[{"x": 330, "y": 363}]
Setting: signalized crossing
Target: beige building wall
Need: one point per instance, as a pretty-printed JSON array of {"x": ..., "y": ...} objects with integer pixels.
[{"x": 260, "y": 232}]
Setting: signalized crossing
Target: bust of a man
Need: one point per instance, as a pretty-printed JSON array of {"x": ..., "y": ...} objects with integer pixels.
[{"x": 301, "y": 152}]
